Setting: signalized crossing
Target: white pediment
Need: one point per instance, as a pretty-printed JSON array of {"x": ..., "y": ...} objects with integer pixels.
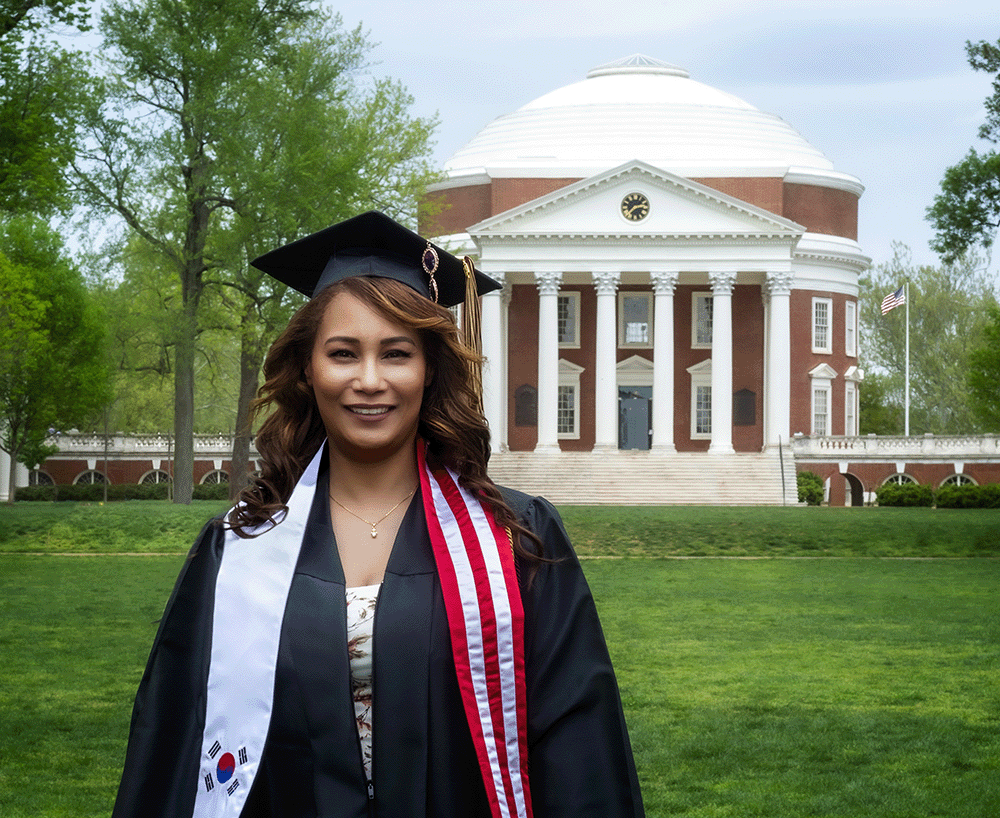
[
  {"x": 635, "y": 364},
  {"x": 678, "y": 208},
  {"x": 701, "y": 368},
  {"x": 823, "y": 371}
]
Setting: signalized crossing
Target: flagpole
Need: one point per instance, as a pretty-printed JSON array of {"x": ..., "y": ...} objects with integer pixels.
[{"x": 906, "y": 397}]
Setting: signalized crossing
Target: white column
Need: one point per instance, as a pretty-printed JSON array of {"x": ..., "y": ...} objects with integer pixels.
[
  {"x": 722, "y": 362},
  {"x": 548, "y": 360},
  {"x": 4, "y": 476},
  {"x": 778, "y": 397},
  {"x": 605, "y": 363},
  {"x": 494, "y": 353},
  {"x": 663, "y": 360}
]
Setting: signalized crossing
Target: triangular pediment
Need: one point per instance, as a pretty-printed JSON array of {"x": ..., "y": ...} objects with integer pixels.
[
  {"x": 701, "y": 368},
  {"x": 823, "y": 371},
  {"x": 569, "y": 368},
  {"x": 634, "y": 364},
  {"x": 674, "y": 207}
]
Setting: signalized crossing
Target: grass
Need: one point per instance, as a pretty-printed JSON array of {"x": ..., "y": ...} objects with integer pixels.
[
  {"x": 808, "y": 687},
  {"x": 160, "y": 527},
  {"x": 152, "y": 526},
  {"x": 770, "y": 687}
]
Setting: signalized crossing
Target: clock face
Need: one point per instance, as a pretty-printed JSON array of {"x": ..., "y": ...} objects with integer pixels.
[{"x": 635, "y": 207}]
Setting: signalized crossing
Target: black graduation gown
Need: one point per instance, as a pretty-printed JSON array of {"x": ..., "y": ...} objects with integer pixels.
[{"x": 425, "y": 765}]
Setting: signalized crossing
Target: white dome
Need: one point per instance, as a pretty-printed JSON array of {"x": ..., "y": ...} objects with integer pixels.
[{"x": 638, "y": 108}]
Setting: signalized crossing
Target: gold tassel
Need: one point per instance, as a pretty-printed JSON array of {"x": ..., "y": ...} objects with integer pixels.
[{"x": 472, "y": 329}]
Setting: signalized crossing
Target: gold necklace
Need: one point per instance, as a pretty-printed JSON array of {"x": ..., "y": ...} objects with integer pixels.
[{"x": 374, "y": 532}]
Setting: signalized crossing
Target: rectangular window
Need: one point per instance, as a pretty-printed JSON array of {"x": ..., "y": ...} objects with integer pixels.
[
  {"x": 566, "y": 424},
  {"x": 569, "y": 319},
  {"x": 821, "y": 411},
  {"x": 851, "y": 330},
  {"x": 703, "y": 411},
  {"x": 635, "y": 326},
  {"x": 850, "y": 409},
  {"x": 701, "y": 320},
  {"x": 822, "y": 312}
]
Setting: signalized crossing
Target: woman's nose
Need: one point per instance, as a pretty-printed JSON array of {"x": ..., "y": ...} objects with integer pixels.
[{"x": 370, "y": 376}]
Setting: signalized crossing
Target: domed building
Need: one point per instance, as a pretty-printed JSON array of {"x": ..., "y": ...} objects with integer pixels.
[{"x": 680, "y": 269}]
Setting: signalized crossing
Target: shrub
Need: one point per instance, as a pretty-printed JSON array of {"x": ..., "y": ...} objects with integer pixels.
[
  {"x": 810, "y": 488},
  {"x": 904, "y": 494},
  {"x": 94, "y": 492},
  {"x": 211, "y": 491},
  {"x": 969, "y": 496}
]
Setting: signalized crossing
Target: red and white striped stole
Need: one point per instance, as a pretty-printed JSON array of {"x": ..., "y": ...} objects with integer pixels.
[{"x": 475, "y": 563}]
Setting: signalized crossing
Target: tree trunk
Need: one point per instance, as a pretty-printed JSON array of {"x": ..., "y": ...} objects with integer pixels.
[
  {"x": 184, "y": 410},
  {"x": 250, "y": 361},
  {"x": 192, "y": 284}
]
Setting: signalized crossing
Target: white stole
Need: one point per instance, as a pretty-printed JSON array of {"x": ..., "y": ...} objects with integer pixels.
[{"x": 250, "y": 595}]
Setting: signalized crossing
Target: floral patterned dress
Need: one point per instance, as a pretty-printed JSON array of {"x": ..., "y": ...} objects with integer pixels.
[{"x": 360, "y": 630}]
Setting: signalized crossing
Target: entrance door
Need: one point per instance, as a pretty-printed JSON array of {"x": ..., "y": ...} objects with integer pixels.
[{"x": 634, "y": 417}]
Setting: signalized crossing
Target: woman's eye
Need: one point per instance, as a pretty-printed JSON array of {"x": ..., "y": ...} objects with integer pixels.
[
  {"x": 398, "y": 353},
  {"x": 341, "y": 353}
]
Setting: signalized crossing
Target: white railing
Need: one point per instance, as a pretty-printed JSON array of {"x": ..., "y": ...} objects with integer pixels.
[
  {"x": 874, "y": 447},
  {"x": 123, "y": 446}
]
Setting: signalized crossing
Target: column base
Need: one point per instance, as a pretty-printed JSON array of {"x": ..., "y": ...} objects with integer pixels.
[
  {"x": 663, "y": 448},
  {"x": 605, "y": 448},
  {"x": 721, "y": 448},
  {"x": 547, "y": 448}
]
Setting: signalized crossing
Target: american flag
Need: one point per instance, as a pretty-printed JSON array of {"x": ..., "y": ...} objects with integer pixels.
[{"x": 893, "y": 300}]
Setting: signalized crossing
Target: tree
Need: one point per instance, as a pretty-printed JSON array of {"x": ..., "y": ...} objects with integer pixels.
[
  {"x": 53, "y": 371},
  {"x": 217, "y": 107},
  {"x": 966, "y": 214},
  {"x": 947, "y": 317},
  {"x": 984, "y": 373},
  {"x": 157, "y": 148},
  {"x": 43, "y": 90},
  {"x": 297, "y": 184},
  {"x": 879, "y": 413},
  {"x": 31, "y": 14}
]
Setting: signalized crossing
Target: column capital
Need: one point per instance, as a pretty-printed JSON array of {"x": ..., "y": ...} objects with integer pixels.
[
  {"x": 499, "y": 277},
  {"x": 664, "y": 282},
  {"x": 779, "y": 283},
  {"x": 606, "y": 283},
  {"x": 548, "y": 283},
  {"x": 722, "y": 283}
]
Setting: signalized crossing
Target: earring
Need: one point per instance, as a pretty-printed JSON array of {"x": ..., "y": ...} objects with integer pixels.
[{"x": 429, "y": 261}]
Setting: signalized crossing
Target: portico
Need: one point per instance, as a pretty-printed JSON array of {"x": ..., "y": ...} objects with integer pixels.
[{"x": 571, "y": 251}]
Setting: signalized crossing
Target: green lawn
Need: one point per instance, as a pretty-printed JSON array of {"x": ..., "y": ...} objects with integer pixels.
[
  {"x": 161, "y": 527},
  {"x": 768, "y": 687}
]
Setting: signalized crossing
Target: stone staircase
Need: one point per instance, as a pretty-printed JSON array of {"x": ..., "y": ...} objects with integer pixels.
[{"x": 648, "y": 478}]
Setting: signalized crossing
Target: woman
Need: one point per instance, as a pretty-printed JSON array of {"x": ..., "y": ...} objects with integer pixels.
[{"x": 376, "y": 628}]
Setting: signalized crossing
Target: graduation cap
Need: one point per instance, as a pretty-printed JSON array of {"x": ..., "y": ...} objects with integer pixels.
[{"x": 372, "y": 244}]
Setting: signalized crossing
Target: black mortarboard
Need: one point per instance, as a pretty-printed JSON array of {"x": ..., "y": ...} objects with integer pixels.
[{"x": 372, "y": 244}]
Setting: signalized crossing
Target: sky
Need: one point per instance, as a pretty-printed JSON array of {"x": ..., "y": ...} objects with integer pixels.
[{"x": 883, "y": 89}]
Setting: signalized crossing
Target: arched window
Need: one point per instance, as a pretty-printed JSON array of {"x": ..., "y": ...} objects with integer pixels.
[
  {"x": 217, "y": 476},
  {"x": 899, "y": 479},
  {"x": 959, "y": 480},
  {"x": 37, "y": 477},
  {"x": 88, "y": 477},
  {"x": 153, "y": 477}
]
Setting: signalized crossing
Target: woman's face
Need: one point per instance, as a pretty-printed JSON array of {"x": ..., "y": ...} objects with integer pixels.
[{"x": 368, "y": 375}]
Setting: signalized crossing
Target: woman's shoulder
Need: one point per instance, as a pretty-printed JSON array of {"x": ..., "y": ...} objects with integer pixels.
[{"x": 525, "y": 506}]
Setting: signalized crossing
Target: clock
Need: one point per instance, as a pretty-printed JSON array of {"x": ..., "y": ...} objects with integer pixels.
[{"x": 635, "y": 207}]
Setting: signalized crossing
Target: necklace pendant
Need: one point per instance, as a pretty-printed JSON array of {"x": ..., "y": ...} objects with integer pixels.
[{"x": 374, "y": 533}]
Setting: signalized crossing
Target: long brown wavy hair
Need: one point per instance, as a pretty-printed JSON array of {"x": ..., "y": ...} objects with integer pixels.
[{"x": 451, "y": 421}]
